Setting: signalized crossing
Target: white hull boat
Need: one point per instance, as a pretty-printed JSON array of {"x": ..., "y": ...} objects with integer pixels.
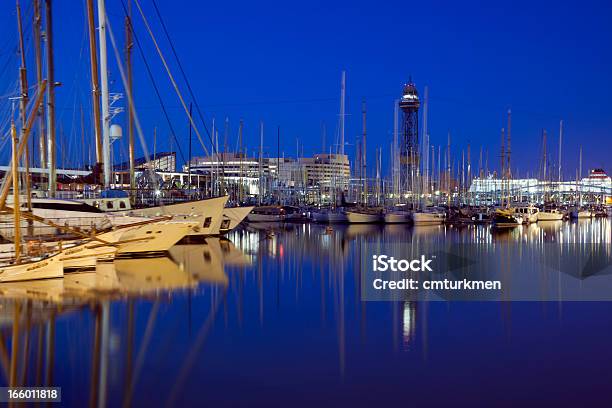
[
  {"x": 84, "y": 255},
  {"x": 550, "y": 215},
  {"x": 359, "y": 217},
  {"x": 265, "y": 217},
  {"x": 427, "y": 218},
  {"x": 397, "y": 217},
  {"x": 269, "y": 213},
  {"x": 529, "y": 214},
  {"x": 208, "y": 214},
  {"x": 46, "y": 268}
]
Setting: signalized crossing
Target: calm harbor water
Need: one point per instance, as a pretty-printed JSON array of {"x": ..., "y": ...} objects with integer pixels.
[{"x": 274, "y": 316}]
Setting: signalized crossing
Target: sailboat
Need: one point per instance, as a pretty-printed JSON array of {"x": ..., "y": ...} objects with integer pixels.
[
  {"x": 396, "y": 216},
  {"x": 506, "y": 218},
  {"x": 27, "y": 267},
  {"x": 430, "y": 215},
  {"x": 363, "y": 215}
]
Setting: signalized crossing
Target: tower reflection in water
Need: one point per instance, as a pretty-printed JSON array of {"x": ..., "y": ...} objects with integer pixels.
[{"x": 268, "y": 300}]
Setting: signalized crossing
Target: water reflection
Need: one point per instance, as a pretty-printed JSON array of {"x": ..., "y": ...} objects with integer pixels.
[{"x": 268, "y": 304}]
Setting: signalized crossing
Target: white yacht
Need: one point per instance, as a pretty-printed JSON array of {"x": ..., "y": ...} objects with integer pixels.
[
  {"x": 207, "y": 213},
  {"x": 396, "y": 217},
  {"x": 529, "y": 213},
  {"x": 267, "y": 213},
  {"x": 69, "y": 213},
  {"x": 428, "y": 216},
  {"x": 550, "y": 214},
  {"x": 34, "y": 268},
  {"x": 363, "y": 216}
]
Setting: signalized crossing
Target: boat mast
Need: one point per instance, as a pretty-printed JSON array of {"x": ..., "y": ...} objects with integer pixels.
[
  {"x": 241, "y": 186},
  {"x": 215, "y": 157},
  {"x": 129, "y": 44},
  {"x": 560, "y": 144},
  {"x": 342, "y": 109},
  {"x": 50, "y": 101},
  {"x": 363, "y": 159},
  {"x": 16, "y": 206},
  {"x": 95, "y": 87},
  {"x": 425, "y": 182},
  {"x": 580, "y": 175},
  {"x": 5, "y": 187},
  {"x": 105, "y": 96},
  {"x": 189, "y": 162},
  {"x": 544, "y": 165},
  {"x": 42, "y": 141},
  {"x": 508, "y": 154},
  {"x": 261, "y": 132},
  {"x": 448, "y": 169},
  {"x": 395, "y": 158},
  {"x": 23, "y": 82},
  {"x": 503, "y": 168}
]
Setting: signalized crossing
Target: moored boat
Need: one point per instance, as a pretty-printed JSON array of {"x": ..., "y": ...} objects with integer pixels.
[
  {"x": 550, "y": 214},
  {"x": 529, "y": 213},
  {"x": 429, "y": 216},
  {"x": 396, "y": 217},
  {"x": 33, "y": 269},
  {"x": 268, "y": 213},
  {"x": 207, "y": 213},
  {"x": 363, "y": 216},
  {"x": 506, "y": 218}
]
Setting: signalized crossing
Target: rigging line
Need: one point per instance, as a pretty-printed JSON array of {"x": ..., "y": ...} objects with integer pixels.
[
  {"x": 195, "y": 101},
  {"x": 152, "y": 78},
  {"x": 132, "y": 107},
  {"x": 178, "y": 92}
]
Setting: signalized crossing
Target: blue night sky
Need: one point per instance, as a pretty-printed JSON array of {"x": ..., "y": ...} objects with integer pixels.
[{"x": 280, "y": 62}]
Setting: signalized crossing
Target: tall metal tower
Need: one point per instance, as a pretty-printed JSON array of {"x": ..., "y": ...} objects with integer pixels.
[{"x": 409, "y": 138}]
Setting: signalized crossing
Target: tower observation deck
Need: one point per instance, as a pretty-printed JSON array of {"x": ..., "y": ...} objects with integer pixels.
[{"x": 409, "y": 137}]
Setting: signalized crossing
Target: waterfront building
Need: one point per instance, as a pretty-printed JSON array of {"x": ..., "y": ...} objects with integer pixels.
[
  {"x": 307, "y": 179},
  {"x": 597, "y": 186}
]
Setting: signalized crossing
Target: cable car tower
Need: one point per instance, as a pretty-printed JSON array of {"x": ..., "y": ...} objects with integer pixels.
[{"x": 409, "y": 138}]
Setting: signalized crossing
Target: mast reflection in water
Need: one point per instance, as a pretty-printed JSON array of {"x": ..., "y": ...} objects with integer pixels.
[{"x": 275, "y": 312}]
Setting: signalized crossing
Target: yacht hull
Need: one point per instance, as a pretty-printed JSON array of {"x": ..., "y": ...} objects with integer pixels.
[
  {"x": 397, "y": 217},
  {"x": 354, "y": 217},
  {"x": 265, "y": 217},
  {"x": 47, "y": 268},
  {"x": 424, "y": 218},
  {"x": 208, "y": 214},
  {"x": 549, "y": 216}
]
